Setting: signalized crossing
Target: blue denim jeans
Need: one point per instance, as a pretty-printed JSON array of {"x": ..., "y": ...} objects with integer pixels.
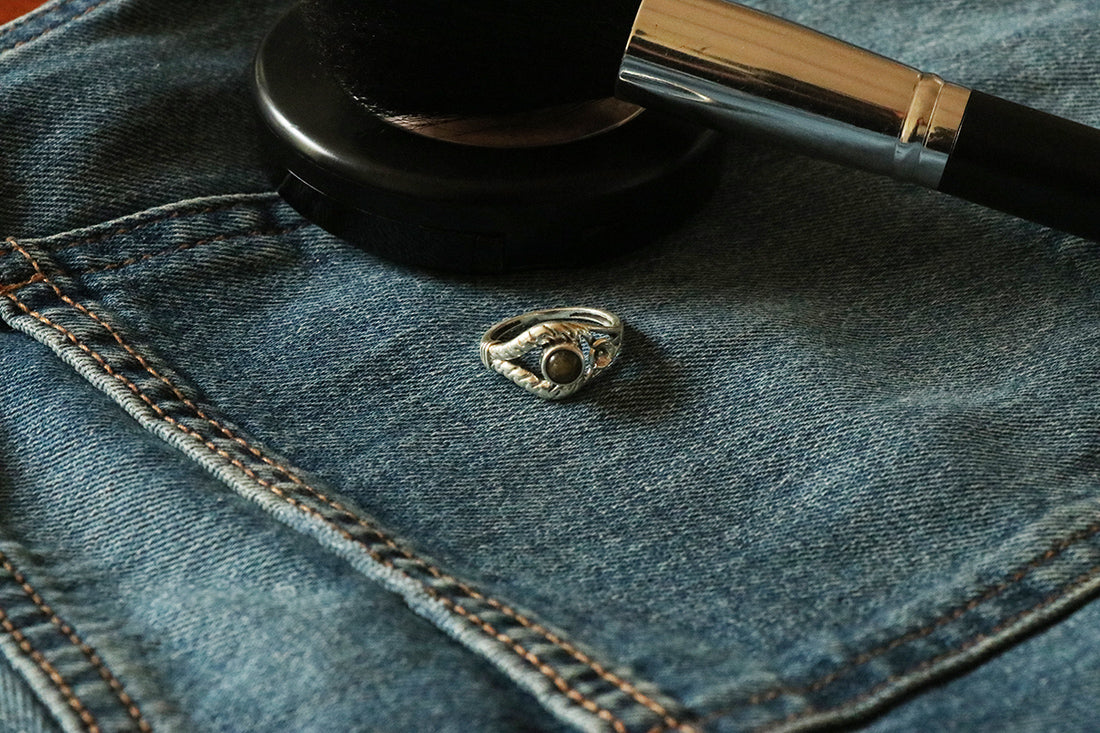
[{"x": 253, "y": 478}]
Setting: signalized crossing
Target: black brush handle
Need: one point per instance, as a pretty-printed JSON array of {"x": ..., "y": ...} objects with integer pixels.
[{"x": 1028, "y": 163}]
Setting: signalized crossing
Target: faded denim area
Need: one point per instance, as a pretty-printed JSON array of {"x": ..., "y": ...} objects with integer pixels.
[{"x": 846, "y": 465}]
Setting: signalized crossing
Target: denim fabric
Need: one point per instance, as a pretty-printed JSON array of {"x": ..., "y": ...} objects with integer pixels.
[
  {"x": 215, "y": 617},
  {"x": 1055, "y": 677},
  {"x": 114, "y": 107},
  {"x": 253, "y": 478},
  {"x": 19, "y": 708}
]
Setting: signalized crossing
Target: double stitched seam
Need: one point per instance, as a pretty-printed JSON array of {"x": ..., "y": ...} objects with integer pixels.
[
  {"x": 6, "y": 249},
  {"x": 73, "y": 638},
  {"x": 4, "y": 290},
  {"x": 52, "y": 28},
  {"x": 190, "y": 245},
  {"x": 618, "y": 682},
  {"x": 25, "y": 646},
  {"x": 986, "y": 595},
  {"x": 961, "y": 649},
  {"x": 177, "y": 214}
]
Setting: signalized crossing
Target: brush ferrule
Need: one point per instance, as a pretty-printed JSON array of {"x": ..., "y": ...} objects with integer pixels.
[{"x": 739, "y": 69}]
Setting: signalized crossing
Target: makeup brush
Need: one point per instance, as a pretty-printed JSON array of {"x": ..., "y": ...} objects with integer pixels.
[{"x": 419, "y": 63}]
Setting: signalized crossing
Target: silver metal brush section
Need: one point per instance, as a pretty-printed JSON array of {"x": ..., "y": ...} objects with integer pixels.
[{"x": 739, "y": 69}]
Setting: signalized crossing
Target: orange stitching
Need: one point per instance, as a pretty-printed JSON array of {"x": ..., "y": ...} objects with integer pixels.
[
  {"x": 538, "y": 664},
  {"x": 528, "y": 656},
  {"x": 43, "y": 664},
  {"x": 968, "y": 644},
  {"x": 69, "y": 633},
  {"x": 601, "y": 671},
  {"x": 16, "y": 286},
  {"x": 54, "y": 27},
  {"x": 542, "y": 667},
  {"x": 953, "y": 615}
]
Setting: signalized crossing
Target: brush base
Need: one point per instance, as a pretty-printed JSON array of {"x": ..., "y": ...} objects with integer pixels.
[{"x": 434, "y": 204}]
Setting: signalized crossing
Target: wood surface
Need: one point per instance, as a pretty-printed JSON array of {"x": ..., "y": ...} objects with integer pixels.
[{"x": 12, "y": 9}]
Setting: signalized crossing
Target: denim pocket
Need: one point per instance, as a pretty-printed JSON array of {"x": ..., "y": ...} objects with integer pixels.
[
  {"x": 207, "y": 244},
  {"x": 777, "y": 512}
]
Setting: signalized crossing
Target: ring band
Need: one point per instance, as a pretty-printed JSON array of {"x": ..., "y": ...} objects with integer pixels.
[{"x": 577, "y": 344}]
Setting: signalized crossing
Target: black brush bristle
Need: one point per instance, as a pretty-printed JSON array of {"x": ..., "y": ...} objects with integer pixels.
[{"x": 472, "y": 57}]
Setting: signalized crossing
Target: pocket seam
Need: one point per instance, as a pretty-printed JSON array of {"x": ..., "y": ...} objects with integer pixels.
[
  {"x": 73, "y": 238},
  {"x": 404, "y": 557},
  {"x": 854, "y": 703},
  {"x": 271, "y": 232},
  {"x": 70, "y": 635}
]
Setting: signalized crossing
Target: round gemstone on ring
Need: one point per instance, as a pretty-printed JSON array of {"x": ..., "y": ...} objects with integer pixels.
[
  {"x": 562, "y": 364},
  {"x": 574, "y": 346}
]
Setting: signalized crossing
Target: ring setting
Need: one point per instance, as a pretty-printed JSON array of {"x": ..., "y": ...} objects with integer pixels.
[{"x": 577, "y": 345}]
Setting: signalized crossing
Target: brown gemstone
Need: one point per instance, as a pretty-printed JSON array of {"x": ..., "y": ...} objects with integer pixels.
[{"x": 563, "y": 365}]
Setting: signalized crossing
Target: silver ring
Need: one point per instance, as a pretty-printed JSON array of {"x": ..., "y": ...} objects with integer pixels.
[{"x": 577, "y": 344}]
